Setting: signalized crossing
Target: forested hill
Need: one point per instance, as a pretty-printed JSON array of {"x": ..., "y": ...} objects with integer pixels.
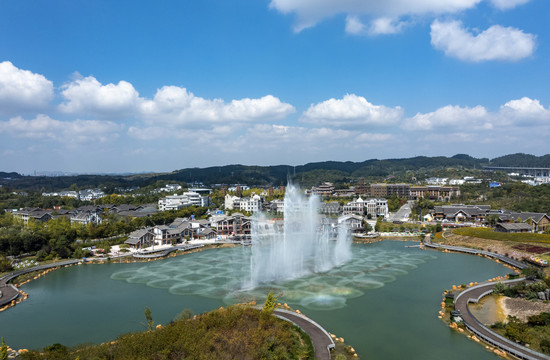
[
  {"x": 308, "y": 174},
  {"x": 278, "y": 175},
  {"x": 522, "y": 160},
  {"x": 9, "y": 175}
]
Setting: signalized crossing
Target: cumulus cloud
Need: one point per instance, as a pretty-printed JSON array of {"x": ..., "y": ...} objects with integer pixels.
[
  {"x": 525, "y": 111},
  {"x": 44, "y": 127},
  {"x": 508, "y": 4},
  {"x": 515, "y": 113},
  {"x": 495, "y": 43},
  {"x": 310, "y": 12},
  {"x": 22, "y": 89},
  {"x": 175, "y": 105},
  {"x": 89, "y": 96},
  {"x": 351, "y": 110},
  {"x": 450, "y": 117}
]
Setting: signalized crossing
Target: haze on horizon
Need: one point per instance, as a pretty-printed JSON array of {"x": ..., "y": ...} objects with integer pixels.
[{"x": 98, "y": 87}]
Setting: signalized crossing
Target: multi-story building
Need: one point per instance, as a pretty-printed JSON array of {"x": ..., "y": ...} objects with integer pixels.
[
  {"x": 387, "y": 190},
  {"x": 325, "y": 189},
  {"x": 434, "y": 192},
  {"x": 175, "y": 202},
  {"x": 372, "y": 207}
]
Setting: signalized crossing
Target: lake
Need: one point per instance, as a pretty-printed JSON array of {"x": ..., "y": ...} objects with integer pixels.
[{"x": 384, "y": 302}]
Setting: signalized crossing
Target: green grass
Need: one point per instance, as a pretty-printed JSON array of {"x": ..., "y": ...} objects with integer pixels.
[
  {"x": 484, "y": 233},
  {"x": 237, "y": 332}
]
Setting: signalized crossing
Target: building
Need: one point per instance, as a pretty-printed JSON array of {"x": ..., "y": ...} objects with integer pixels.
[
  {"x": 251, "y": 204},
  {"x": 236, "y": 224},
  {"x": 461, "y": 213},
  {"x": 445, "y": 193},
  {"x": 388, "y": 190},
  {"x": 232, "y": 202},
  {"x": 331, "y": 208},
  {"x": 175, "y": 202},
  {"x": 33, "y": 213},
  {"x": 353, "y": 222},
  {"x": 325, "y": 189},
  {"x": 513, "y": 227},
  {"x": 371, "y": 207},
  {"x": 539, "y": 222},
  {"x": 140, "y": 238}
]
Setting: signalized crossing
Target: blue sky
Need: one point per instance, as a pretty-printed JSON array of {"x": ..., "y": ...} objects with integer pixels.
[{"x": 120, "y": 86}]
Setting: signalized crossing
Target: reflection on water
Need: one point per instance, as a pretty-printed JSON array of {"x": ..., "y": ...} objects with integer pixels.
[{"x": 221, "y": 275}]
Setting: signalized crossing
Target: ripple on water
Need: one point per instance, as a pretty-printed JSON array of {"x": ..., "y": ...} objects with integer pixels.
[
  {"x": 323, "y": 302},
  {"x": 221, "y": 274}
]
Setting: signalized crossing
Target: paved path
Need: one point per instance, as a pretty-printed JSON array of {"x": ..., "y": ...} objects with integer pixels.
[
  {"x": 518, "y": 264},
  {"x": 322, "y": 342},
  {"x": 10, "y": 292},
  {"x": 474, "y": 294}
]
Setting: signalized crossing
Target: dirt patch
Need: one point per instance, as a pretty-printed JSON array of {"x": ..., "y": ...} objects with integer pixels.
[{"x": 522, "y": 308}]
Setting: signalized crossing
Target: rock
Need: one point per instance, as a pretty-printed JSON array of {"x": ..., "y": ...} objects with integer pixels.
[
  {"x": 547, "y": 294},
  {"x": 541, "y": 295}
]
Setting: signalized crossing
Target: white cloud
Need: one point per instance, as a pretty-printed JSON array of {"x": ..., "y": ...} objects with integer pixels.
[
  {"x": 44, "y": 127},
  {"x": 450, "y": 117},
  {"x": 525, "y": 111},
  {"x": 310, "y": 12},
  {"x": 355, "y": 26},
  {"x": 495, "y": 43},
  {"x": 176, "y": 106},
  {"x": 508, "y": 4},
  {"x": 385, "y": 25},
  {"x": 379, "y": 26},
  {"x": 89, "y": 96},
  {"x": 22, "y": 89},
  {"x": 351, "y": 110},
  {"x": 520, "y": 113}
]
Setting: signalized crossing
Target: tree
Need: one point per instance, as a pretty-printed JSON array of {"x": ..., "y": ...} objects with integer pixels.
[
  {"x": 3, "y": 350},
  {"x": 492, "y": 220},
  {"x": 149, "y": 318},
  {"x": 270, "y": 303},
  {"x": 186, "y": 314}
]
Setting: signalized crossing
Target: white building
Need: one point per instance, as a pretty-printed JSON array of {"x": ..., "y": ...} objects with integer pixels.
[
  {"x": 232, "y": 202},
  {"x": 175, "y": 202},
  {"x": 251, "y": 204},
  {"x": 372, "y": 207}
]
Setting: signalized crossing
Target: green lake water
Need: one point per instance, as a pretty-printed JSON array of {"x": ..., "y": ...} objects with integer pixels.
[{"x": 384, "y": 302}]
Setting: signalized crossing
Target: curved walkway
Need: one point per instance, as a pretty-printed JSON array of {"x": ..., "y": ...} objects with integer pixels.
[
  {"x": 474, "y": 294},
  {"x": 10, "y": 292},
  {"x": 322, "y": 342},
  {"x": 518, "y": 264}
]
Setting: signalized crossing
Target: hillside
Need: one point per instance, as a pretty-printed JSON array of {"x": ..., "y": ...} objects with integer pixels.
[
  {"x": 237, "y": 332},
  {"x": 276, "y": 175}
]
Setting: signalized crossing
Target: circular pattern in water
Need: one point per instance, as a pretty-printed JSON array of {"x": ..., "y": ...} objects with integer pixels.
[{"x": 224, "y": 274}]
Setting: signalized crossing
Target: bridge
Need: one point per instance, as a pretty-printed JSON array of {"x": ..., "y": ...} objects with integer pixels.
[
  {"x": 517, "y": 264},
  {"x": 531, "y": 171}
]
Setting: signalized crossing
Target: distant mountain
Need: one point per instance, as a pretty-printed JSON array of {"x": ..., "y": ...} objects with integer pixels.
[
  {"x": 310, "y": 173},
  {"x": 522, "y": 160},
  {"x": 9, "y": 175}
]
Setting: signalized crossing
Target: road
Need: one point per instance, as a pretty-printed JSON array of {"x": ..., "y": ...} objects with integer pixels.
[{"x": 402, "y": 214}]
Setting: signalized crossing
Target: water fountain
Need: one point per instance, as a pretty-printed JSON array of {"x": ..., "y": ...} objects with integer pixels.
[{"x": 304, "y": 245}]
